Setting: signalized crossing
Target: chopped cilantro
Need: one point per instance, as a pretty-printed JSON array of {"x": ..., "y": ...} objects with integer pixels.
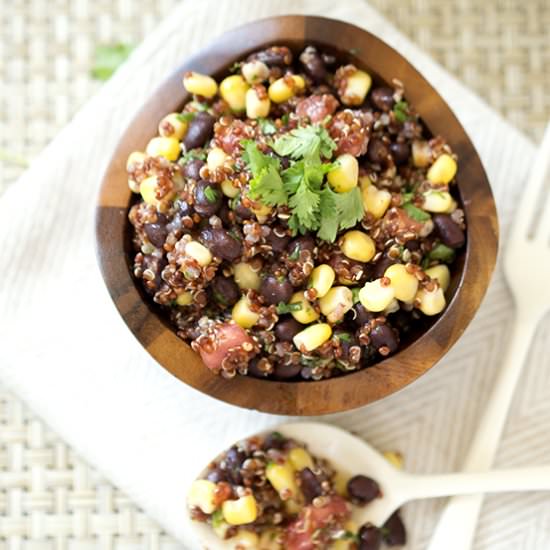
[
  {"x": 416, "y": 213},
  {"x": 108, "y": 58},
  {"x": 355, "y": 294},
  {"x": 236, "y": 67},
  {"x": 211, "y": 194},
  {"x": 186, "y": 117},
  {"x": 339, "y": 211},
  {"x": 287, "y": 308},
  {"x": 401, "y": 111},
  {"x": 295, "y": 254},
  {"x": 193, "y": 154},
  {"x": 217, "y": 519},
  {"x": 267, "y": 126},
  {"x": 344, "y": 336},
  {"x": 442, "y": 252},
  {"x": 309, "y": 141}
]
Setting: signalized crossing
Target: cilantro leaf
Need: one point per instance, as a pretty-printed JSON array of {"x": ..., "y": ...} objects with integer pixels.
[
  {"x": 283, "y": 308},
  {"x": 267, "y": 127},
  {"x": 193, "y": 154},
  {"x": 416, "y": 213},
  {"x": 401, "y": 111},
  {"x": 268, "y": 187},
  {"x": 442, "y": 252},
  {"x": 304, "y": 204},
  {"x": 350, "y": 208},
  {"x": 329, "y": 216},
  {"x": 309, "y": 141},
  {"x": 108, "y": 58},
  {"x": 186, "y": 117},
  {"x": 292, "y": 176},
  {"x": 211, "y": 194}
]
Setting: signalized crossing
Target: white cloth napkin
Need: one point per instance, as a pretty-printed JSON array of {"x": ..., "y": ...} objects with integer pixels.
[{"x": 68, "y": 354}]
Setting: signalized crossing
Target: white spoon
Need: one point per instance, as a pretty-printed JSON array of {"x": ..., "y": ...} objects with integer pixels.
[{"x": 351, "y": 456}]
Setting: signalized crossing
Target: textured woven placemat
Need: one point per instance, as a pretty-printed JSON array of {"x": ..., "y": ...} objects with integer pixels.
[{"x": 48, "y": 497}]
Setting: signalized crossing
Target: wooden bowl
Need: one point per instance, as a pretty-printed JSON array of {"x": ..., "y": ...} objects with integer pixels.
[{"x": 472, "y": 271}]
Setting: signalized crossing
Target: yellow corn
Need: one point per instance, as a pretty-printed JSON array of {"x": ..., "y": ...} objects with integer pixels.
[
  {"x": 280, "y": 90},
  {"x": 167, "y": 147},
  {"x": 300, "y": 459},
  {"x": 228, "y": 189},
  {"x": 216, "y": 157},
  {"x": 404, "y": 284},
  {"x": 431, "y": 303},
  {"x": 421, "y": 153},
  {"x": 336, "y": 303},
  {"x": 321, "y": 279},
  {"x": 184, "y": 299},
  {"x": 441, "y": 274},
  {"x": 135, "y": 158},
  {"x": 443, "y": 170},
  {"x": 148, "y": 190},
  {"x": 256, "y": 107},
  {"x": 233, "y": 89},
  {"x": 437, "y": 201},
  {"x": 245, "y": 540},
  {"x": 173, "y": 125},
  {"x": 201, "y": 495},
  {"x": 246, "y": 277},
  {"x": 292, "y": 507},
  {"x": 255, "y": 71},
  {"x": 198, "y": 252},
  {"x": 341, "y": 483},
  {"x": 357, "y": 87},
  {"x": 241, "y": 511},
  {"x": 375, "y": 296},
  {"x": 282, "y": 478},
  {"x": 375, "y": 201},
  {"x": 306, "y": 314},
  {"x": 312, "y": 337},
  {"x": 243, "y": 315},
  {"x": 262, "y": 212},
  {"x": 344, "y": 176},
  {"x": 394, "y": 458},
  {"x": 357, "y": 245},
  {"x": 200, "y": 84}
]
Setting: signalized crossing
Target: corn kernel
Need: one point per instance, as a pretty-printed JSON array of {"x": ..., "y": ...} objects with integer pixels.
[
  {"x": 357, "y": 245},
  {"x": 198, "y": 252},
  {"x": 336, "y": 303},
  {"x": 300, "y": 459},
  {"x": 228, "y": 189},
  {"x": 216, "y": 157},
  {"x": 282, "y": 478},
  {"x": 375, "y": 201},
  {"x": 306, "y": 314},
  {"x": 321, "y": 279},
  {"x": 437, "y": 201},
  {"x": 173, "y": 125},
  {"x": 375, "y": 296},
  {"x": 134, "y": 159},
  {"x": 167, "y": 147},
  {"x": 443, "y": 170},
  {"x": 200, "y": 84},
  {"x": 246, "y": 277},
  {"x": 255, "y": 71},
  {"x": 344, "y": 176},
  {"x": 245, "y": 540},
  {"x": 243, "y": 315},
  {"x": 284, "y": 88},
  {"x": 184, "y": 299},
  {"x": 256, "y": 107},
  {"x": 148, "y": 190},
  {"x": 421, "y": 153},
  {"x": 312, "y": 337},
  {"x": 394, "y": 458},
  {"x": 241, "y": 511},
  {"x": 233, "y": 90},
  {"x": 357, "y": 86},
  {"x": 441, "y": 274},
  {"x": 201, "y": 495},
  {"x": 404, "y": 284},
  {"x": 343, "y": 544},
  {"x": 341, "y": 483},
  {"x": 262, "y": 212},
  {"x": 292, "y": 507},
  {"x": 431, "y": 302}
]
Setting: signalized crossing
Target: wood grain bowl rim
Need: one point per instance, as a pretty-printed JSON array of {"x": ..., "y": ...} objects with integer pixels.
[{"x": 308, "y": 397}]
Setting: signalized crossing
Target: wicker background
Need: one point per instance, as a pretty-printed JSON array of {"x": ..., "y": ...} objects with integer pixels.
[{"x": 49, "y": 498}]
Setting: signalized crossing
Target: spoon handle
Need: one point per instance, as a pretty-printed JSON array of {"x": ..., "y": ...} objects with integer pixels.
[{"x": 496, "y": 481}]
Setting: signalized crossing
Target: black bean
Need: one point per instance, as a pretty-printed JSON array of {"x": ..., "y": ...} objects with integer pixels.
[
  {"x": 277, "y": 239},
  {"x": 225, "y": 290},
  {"x": 223, "y": 214},
  {"x": 347, "y": 340},
  {"x": 413, "y": 245},
  {"x": 401, "y": 320},
  {"x": 192, "y": 169},
  {"x": 156, "y": 233},
  {"x": 394, "y": 531},
  {"x": 276, "y": 289},
  {"x": 274, "y": 440},
  {"x": 254, "y": 371},
  {"x": 306, "y": 242},
  {"x": 382, "y": 98},
  {"x": 199, "y": 131},
  {"x": 370, "y": 537},
  {"x": 328, "y": 58},
  {"x": 377, "y": 151},
  {"x": 381, "y": 265},
  {"x": 400, "y": 153},
  {"x": 383, "y": 336},
  {"x": 310, "y": 485},
  {"x": 451, "y": 233},
  {"x": 221, "y": 243},
  {"x": 286, "y": 372},
  {"x": 208, "y": 198},
  {"x": 242, "y": 212},
  {"x": 276, "y": 56},
  {"x": 286, "y": 329},
  {"x": 362, "y": 314},
  {"x": 362, "y": 489},
  {"x": 233, "y": 460},
  {"x": 185, "y": 209},
  {"x": 313, "y": 64},
  {"x": 216, "y": 475}
]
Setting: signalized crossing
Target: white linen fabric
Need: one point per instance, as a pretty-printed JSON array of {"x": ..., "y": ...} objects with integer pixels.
[{"x": 67, "y": 353}]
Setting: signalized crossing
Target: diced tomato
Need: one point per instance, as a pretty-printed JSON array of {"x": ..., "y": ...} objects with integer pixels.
[
  {"x": 228, "y": 335},
  {"x": 317, "y": 107}
]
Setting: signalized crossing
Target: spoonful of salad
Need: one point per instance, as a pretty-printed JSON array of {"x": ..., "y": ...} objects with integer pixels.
[{"x": 310, "y": 486}]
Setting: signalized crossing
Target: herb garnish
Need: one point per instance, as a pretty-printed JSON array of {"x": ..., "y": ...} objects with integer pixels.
[
  {"x": 442, "y": 252},
  {"x": 211, "y": 194},
  {"x": 267, "y": 126},
  {"x": 283, "y": 308},
  {"x": 401, "y": 111},
  {"x": 193, "y": 154},
  {"x": 108, "y": 58},
  {"x": 186, "y": 117},
  {"x": 416, "y": 213}
]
